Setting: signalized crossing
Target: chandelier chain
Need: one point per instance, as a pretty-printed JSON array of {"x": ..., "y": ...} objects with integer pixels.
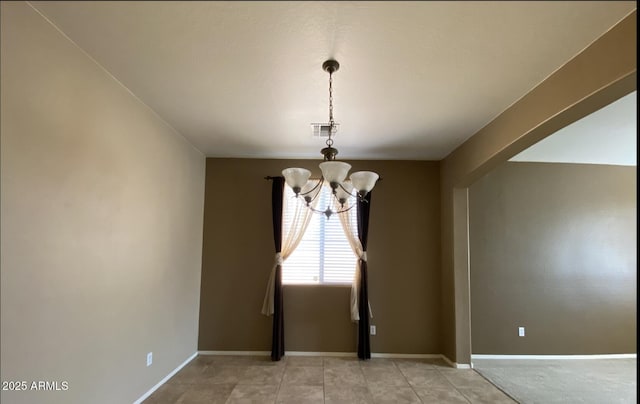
[{"x": 331, "y": 121}]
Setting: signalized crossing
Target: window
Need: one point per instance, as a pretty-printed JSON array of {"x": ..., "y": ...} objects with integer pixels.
[{"x": 324, "y": 255}]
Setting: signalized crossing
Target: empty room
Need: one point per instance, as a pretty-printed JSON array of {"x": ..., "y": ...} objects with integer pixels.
[{"x": 318, "y": 202}]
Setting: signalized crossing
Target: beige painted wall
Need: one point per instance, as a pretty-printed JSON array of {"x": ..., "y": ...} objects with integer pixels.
[
  {"x": 101, "y": 225},
  {"x": 404, "y": 260},
  {"x": 553, "y": 249},
  {"x": 602, "y": 73}
]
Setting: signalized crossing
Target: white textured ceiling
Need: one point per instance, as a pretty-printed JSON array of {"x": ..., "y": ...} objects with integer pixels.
[
  {"x": 244, "y": 79},
  {"x": 607, "y": 136}
]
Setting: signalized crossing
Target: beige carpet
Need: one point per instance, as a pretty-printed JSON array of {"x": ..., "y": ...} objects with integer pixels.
[{"x": 536, "y": 381}]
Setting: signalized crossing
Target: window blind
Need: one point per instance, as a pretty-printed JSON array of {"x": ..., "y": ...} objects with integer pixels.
[{"x": 324, "y": 255}]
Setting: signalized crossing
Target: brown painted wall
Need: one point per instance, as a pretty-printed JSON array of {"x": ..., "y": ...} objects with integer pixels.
[
  {"x": 602, "y": 73},
  {"x": 553, "y": 249},
  {"x": 404, "y": 260}
]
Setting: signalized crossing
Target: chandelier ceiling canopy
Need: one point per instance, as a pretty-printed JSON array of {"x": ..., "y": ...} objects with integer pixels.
[{"x": 334, "y": 172}]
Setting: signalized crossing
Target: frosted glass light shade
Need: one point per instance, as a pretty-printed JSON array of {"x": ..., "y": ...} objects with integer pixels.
[
  {"x": 343, "y": 195},
  {"x": 364, "y": 181},
  {"x": 334, "y": 172},
  {"x": 296, "y": 178}
]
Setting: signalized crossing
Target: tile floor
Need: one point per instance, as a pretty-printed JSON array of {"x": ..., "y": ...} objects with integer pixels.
[{"x": 306, "y": 379}]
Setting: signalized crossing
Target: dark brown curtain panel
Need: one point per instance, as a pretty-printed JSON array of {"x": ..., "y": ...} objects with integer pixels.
[
  {"x": 364, "y": 342},
  {"x": 277, "y": 343}
]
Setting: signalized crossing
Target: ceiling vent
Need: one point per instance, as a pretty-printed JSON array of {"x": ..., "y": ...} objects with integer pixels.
[{"x": 322, "y": 129}]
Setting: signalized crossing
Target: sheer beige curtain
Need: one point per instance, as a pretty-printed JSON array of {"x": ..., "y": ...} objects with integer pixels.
[
  {"x": 351, "y": 231},
  {"x": 293, "y": 228}
]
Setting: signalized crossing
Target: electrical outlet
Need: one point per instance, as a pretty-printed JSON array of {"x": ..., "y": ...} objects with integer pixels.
[
  {"x": 520, "y": 331},
  {"x": 149, "y": 358},
  {"x": 373, "y": 330}
]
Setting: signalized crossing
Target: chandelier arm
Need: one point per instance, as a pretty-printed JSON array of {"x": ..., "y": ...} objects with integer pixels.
[
  {"x": 312, "y": 194},
  {"x": 314, "y": 188},
  {"x": 347, "y": 209},
  {"x": 346, "y": 190},
  {"x": 310, "y": 198}
]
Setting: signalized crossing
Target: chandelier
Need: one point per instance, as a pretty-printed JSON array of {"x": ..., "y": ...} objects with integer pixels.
[{"x": 334, "y": 172}]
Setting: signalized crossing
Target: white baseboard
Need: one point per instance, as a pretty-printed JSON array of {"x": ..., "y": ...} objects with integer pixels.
[
  {"x": 406, "y": 356},
  {"x": 163, "y": 381},
  {"x": 457, "y": 365},
  {"x": 236, "y": 353},
  {"x": 304, "y": 353},
  {"x": 554, "y": 357},
  {"x": 267, "y": 353}
]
